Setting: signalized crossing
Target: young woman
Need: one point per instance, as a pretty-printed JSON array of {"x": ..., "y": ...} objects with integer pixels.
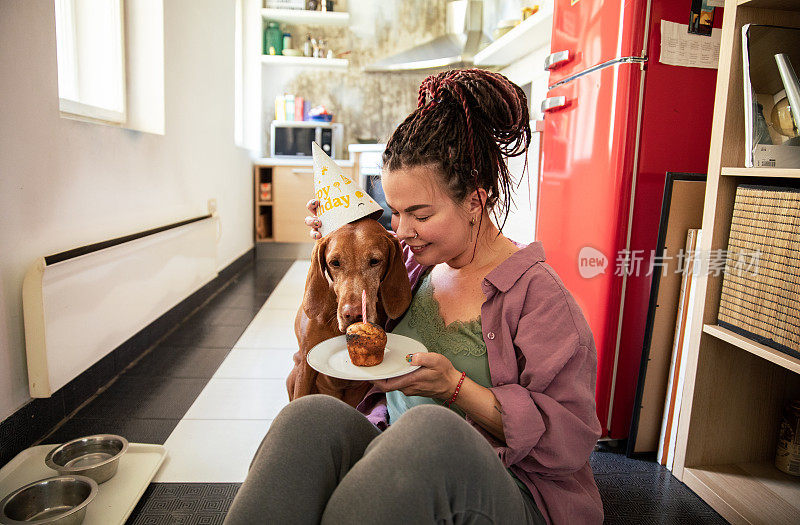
[{"x": 498, "y": 423}]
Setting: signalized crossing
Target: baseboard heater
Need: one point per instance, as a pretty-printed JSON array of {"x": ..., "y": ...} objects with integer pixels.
[{"x": 81, "y": 304}]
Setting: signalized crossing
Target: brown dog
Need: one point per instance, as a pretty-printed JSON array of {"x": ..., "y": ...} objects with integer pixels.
[{"x": 358, "y": 256}]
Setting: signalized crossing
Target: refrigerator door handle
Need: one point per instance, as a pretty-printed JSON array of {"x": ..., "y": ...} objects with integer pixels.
[
  {"x": 555, "y": 59},
  {"x": 552, "y": 103}
]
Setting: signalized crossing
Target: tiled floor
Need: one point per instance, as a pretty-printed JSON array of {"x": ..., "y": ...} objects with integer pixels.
[{"x": 211, "y": 389}]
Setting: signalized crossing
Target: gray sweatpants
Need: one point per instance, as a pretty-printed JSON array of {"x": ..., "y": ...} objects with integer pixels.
[{"x": 323, "y": 462}]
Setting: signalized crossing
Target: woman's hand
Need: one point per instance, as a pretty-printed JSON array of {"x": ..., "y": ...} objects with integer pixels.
[
  {"x": 312, "y": 221},
  {"x": 437, "y": 378}
]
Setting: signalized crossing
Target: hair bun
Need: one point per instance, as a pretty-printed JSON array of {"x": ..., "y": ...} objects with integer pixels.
[{"x": 491, "y": 103}]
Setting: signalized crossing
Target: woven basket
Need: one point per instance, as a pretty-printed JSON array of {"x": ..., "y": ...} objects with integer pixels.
[{"x": 761, "y": 284}]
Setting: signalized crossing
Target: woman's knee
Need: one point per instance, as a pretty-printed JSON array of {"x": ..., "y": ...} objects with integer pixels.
[
  {"x": 429, "y": 433},
  {"x": 434, "y": 423},
  {"x": 314, "y": 415},
  {"x": 315, "y": 408},
  {"x": 309, "y": 420}
]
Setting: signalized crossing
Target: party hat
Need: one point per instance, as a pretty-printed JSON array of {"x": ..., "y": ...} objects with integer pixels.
[{"x": 341, "y": 199}]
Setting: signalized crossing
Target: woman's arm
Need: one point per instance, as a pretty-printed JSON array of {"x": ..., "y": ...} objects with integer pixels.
[
  {"x": 481, "y": 406},
  {"x": 437, "y": 378},
  {"x": 549, "y": 419}
]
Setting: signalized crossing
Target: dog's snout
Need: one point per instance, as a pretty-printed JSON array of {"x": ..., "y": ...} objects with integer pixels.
[{"x": 352, "y": 312}]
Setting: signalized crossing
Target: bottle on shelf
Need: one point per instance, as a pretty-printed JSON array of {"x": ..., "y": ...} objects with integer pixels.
[
  {"x": 273, "y": 39},
  {"x": 307, "y": 47},
  {"x": 316, "y": 46}
]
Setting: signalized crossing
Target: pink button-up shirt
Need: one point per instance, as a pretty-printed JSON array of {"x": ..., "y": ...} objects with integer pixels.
[{"x": 542, "y": 363}]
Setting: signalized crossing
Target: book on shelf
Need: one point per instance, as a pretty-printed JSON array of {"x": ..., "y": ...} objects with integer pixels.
[
  {"x": 683, "y": 328},
  {"x": 771, "y": 133},
  {"x": 280, "y": 107},
  {"x": 290, "y": 107}
]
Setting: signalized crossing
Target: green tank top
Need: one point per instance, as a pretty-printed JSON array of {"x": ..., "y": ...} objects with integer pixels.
[{"x": 460, "y": 341}]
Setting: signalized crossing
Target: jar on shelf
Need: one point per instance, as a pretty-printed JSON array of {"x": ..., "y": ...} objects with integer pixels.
[
  {"x": 273, "y": 39},
  {"x": 787, "y": 458}
]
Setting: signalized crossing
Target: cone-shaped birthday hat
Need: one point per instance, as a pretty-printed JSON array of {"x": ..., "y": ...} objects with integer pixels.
[{"x": 341, "y": 199}]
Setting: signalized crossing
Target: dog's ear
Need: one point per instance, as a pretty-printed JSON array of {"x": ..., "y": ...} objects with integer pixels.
[
  {"x": 395, "y": 287},
  {"x": 318, "y": 297}
]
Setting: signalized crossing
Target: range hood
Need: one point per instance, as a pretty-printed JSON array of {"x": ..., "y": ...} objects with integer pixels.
[{"x": 463, "y": 40}]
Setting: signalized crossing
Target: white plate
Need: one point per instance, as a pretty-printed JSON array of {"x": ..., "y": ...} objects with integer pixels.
[{"x": 331, "y": 358}]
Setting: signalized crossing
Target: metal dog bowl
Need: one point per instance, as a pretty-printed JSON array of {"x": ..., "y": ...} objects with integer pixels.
[
  {"x": 60, "y": 500},
  {"x": 94, "y": 456}
]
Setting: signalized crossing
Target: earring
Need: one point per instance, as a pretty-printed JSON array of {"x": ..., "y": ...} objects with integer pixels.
[{"x": 472, "y": 221}]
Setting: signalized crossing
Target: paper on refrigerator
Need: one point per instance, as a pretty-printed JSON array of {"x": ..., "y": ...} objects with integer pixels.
[{"x": 681, "y": 48}]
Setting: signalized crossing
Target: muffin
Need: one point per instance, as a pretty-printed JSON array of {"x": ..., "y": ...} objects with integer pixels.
[{"x": 366, "y": 343}]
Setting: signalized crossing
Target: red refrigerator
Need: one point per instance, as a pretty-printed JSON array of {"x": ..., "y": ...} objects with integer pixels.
[{"x": 615, "y": 121}]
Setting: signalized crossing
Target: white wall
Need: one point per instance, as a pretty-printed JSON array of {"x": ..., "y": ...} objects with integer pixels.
[
  {"x": 528, "y": 72},
  {"x": 65, "y": 183}
]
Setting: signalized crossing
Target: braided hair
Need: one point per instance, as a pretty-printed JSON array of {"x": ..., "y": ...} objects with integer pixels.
[{"x": 466, "y": 122}]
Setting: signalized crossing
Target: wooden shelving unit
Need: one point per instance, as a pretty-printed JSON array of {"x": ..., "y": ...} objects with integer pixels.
[
  {"x": 748, "y": 345},
  {"x": 761, "y": 172},
  {"x": 280, "y": 218},
  {"x": 787, "y": 5},
  {"x": 263, "y": 206},
  {"x": 735, "y": 388}
]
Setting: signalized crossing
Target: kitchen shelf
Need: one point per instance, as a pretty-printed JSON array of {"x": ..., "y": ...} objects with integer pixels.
[
  {"x": 761, "y": 172},
  {"x": 306, "y": 17},
  {"x": 281, "y": 60},
  {"x": 531, "y": 33},
  {"x": 748, "y": 492},
  {"x": 748, "y": 345},
  {"x": 782, "y": 5}
]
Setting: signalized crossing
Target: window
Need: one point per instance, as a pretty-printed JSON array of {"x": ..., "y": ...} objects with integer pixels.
[{"x": 91, "y": 59}]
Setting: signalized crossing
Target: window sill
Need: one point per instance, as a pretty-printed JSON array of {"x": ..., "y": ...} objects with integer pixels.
[{"x": 72, "y": 109}]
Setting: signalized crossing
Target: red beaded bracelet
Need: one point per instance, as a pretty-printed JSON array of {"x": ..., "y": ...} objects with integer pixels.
[{"x": 458, "y": 388}]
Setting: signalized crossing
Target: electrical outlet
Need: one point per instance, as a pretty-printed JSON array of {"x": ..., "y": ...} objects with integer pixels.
[{"x": 212, "y": 205}]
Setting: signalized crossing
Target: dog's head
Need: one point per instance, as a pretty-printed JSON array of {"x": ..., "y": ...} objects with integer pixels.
[{"x": 358, "y": 256}]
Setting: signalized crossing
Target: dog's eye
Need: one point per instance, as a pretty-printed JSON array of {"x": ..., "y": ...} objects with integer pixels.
[
  {"x": 374, "y": 262},
  {"x": 335, "y": 263}
]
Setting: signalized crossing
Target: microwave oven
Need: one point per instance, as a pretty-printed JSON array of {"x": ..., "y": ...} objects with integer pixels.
[{"x": 292, "y": 139}]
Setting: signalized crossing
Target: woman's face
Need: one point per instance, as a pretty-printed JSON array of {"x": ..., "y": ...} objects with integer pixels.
[{"x": 421, "y": 206}]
